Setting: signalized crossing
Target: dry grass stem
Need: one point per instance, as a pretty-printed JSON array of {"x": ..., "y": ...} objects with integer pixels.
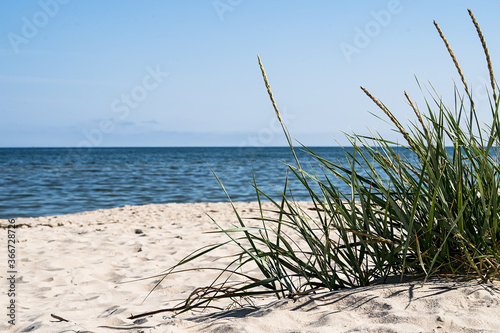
[
  {"x": 455, "y": 61},
  {"x": 422, "y": 209},
  {"x": 391, "y": 117},
  {"x": 268, "y": 87},
  {"x": 419, "y": 116},
  {"x": 485, "y": 48}
]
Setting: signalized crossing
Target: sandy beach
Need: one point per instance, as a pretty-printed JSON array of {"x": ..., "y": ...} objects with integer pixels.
[{"x": 75, "y": 273}]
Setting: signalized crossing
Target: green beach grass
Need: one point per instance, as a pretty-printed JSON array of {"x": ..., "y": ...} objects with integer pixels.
[{"x": 434, "y": 215}]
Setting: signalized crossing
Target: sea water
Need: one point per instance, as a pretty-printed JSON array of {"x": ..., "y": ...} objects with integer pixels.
[{"x": 54, "y": 181}]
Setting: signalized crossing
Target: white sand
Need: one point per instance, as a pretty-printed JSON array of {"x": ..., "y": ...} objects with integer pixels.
[{"x": 74, "y": 266}]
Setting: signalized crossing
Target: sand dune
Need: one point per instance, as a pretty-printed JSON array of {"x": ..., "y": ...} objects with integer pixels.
[{"x": 78, "y": 268}]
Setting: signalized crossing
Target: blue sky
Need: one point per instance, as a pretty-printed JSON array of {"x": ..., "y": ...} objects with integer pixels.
[{"x": 185, "y": 73}]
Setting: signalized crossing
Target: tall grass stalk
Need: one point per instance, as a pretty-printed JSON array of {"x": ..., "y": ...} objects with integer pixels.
[{"x": 436, "y": 214}]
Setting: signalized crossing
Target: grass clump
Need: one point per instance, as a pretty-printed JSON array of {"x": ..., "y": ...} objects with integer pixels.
[{"x": 417, "y": 209}]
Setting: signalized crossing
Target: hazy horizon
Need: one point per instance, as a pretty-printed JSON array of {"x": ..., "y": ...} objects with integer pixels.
[{"x": 176, "y": 73}]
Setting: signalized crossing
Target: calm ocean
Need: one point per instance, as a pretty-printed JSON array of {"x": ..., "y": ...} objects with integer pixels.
[{"x": 54, "y": 181}]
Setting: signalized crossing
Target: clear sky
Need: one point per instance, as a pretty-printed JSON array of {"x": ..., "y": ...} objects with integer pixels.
[{"x": 185, "y": 73}]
